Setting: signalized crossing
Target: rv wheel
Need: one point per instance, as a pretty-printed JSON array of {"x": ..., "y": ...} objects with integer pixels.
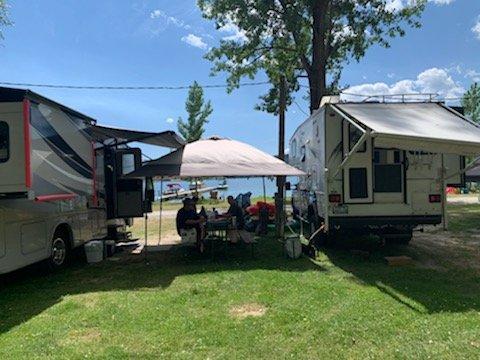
[{"x": 59, "y": 252}]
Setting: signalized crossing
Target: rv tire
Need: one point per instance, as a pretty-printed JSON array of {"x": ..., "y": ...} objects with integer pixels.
[{"x": 60, "y": 251}]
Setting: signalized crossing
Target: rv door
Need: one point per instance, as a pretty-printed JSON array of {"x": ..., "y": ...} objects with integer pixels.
[
  {"x": 357, "y": 174},
  {"x": 124, "y": 196}
]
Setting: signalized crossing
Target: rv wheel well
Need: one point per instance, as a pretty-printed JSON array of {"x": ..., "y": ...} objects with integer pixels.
[{"x": 65, "y": 232}]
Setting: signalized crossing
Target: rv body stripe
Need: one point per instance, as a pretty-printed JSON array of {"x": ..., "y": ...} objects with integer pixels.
[
  {"x": 59, "y": 145},
  {"x": 27, "y": 144}
]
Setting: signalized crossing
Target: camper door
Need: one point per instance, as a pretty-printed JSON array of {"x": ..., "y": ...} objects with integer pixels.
[
  {"x": 357, "y": 174},
  {"x": 13, "y": 144}
]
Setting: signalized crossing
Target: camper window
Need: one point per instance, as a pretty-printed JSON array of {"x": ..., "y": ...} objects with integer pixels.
[
  {"x": 128, "y": 163},
  {"x": 4, "y": 142},
  {"x": 387, "y": 171},
  {"x": 354, "y": 136}
]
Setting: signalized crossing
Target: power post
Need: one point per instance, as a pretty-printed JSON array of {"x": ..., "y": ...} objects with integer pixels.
[{"x": 279, "y": 196}]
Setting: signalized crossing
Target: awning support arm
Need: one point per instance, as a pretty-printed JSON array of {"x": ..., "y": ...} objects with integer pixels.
[
  {"x": 348, "y": 118},
  {"x": 347, "y": 159},
  {"x": 467, "y": 167}
]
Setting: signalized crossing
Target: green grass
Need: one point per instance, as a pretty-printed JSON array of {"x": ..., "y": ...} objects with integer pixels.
[{"x": 179, "y": 306}]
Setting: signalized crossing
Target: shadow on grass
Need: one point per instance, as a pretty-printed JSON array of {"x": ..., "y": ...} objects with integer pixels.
[
  {"x": 28, "y": 292},
  {"x": 422, "y": 289}
]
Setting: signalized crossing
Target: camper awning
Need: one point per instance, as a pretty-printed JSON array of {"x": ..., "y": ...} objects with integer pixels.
[
  {"x": 430, "y": 127},
  {"x": 166, "y": 138},
  {"x": 216, "y": 158}
]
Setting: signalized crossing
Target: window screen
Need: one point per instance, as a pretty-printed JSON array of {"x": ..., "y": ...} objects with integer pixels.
[
  {"x": 4, "y": 142},
  {"x": 388, "y": 178},
  {"x": 358, "y": 183},
  {"x": 354, "y": 135},
  {"x": 128, "y": 163}
]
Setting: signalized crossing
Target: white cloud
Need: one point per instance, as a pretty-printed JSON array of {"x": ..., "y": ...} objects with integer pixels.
[
  {"x": 195, "y": 41},
  {"x": 476, "y": 28},
  {"x": 397, "y": 5},
  {"x": 236, "y": 34},
  {"x": 170, "y": 120},
  {"x": 473, "y": 75},
  {"x": 431, "y": 81},
  {"x": 160, "y": 15}
]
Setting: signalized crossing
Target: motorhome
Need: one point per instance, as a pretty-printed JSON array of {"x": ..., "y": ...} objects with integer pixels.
[
  {"x": 61, "y": 178},
  {"x": 380, "y": 167}
]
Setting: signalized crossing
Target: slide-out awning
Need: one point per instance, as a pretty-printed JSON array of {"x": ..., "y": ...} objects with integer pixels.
[
  {"x": 216, "y": 157},
  {"x": 430, "y": 127},
  {"x": 166, "y": 138}
]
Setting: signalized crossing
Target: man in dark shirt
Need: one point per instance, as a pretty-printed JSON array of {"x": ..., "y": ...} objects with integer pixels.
[
  {"x": 187, "y": 218},
  {"x": 237, "y": 211}
]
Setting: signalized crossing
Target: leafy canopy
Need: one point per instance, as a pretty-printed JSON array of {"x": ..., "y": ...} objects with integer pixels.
[
  {"x": 471, "y": 102},
  {"x": 311, "y": 38},
  {"x": 198, "y": 113},
  {"x": 4, "y": 21}
]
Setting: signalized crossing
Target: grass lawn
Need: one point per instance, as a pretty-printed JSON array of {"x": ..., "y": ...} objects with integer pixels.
[{"x": 183, "y": 306}]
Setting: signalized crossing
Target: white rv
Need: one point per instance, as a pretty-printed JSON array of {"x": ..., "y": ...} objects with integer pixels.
[
  {"x": 61, "y": 178},
  {"x": 380, "y": 167}
]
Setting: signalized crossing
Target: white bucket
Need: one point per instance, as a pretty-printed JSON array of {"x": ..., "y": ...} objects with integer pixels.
[{"x": 94, "y": 251}]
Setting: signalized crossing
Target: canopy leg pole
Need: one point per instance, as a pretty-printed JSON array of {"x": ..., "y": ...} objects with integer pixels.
[
  {"x": 264, "y": 192},
  {"x": 145, "y": 249},
  {"x": 444, "y": 198},
  {"x": 160, "y": 214}
]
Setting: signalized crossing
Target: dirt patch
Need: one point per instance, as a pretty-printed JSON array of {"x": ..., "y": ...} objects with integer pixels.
[
  {"x": 83, "y": 336},
  {"x": 442, "y": 250},
  {"x": 246, "y": 310}
]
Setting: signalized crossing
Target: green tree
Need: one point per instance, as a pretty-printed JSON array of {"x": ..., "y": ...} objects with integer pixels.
[
  {"x": 198, "y": 113},
  {"x": 4, "y": 21},
  {"x": 307, "y": 38},
  {"x": 471, "y": 102}
]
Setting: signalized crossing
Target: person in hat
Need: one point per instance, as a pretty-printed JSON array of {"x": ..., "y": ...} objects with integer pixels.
[{"x": 187, "y": 218}]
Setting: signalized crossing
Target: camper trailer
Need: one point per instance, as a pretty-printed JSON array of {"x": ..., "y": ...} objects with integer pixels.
[
  {"x": 379, "y": 167},
  {"x": 61, "y": 178}
]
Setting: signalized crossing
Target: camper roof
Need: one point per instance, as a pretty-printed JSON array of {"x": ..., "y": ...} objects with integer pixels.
[
  {"x": 99, "y": 133},
  {"x": 431, "y": 127}
]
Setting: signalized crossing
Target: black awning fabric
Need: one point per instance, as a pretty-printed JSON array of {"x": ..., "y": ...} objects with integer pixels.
[{"x": 168, "y": 139}]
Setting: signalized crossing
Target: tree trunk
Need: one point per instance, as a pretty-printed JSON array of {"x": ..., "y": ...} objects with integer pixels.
[{"x": 317, "y": 74}]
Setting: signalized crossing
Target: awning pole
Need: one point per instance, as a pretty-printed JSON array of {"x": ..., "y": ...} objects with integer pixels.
[
  {"x": 160, "y": 213},
  {"x": 264, "y": 192},
  {"x": 146, "y": 237},
  {"x": 444, "y": 198}
]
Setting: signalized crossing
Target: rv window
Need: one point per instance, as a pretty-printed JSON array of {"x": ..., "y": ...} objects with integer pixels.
[
  {"x": 128, "y": 163},
  {"x": 388, "y": 178},
  {"x": 4, "y": 142},
  {"x": 354, "y": 136},
  {"x": 358, "y": 183}
]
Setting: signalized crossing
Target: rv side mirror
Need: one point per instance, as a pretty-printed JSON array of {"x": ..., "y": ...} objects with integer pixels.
[{"x": 149, "y": 190}]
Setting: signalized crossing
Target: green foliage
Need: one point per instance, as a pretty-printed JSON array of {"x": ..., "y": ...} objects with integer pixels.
[
  {"x": 306, "y": 38},
  {"x": 198, "y": 113},
  {"x": 4, "y": 20},
  {"x": 471, "y": 102}
]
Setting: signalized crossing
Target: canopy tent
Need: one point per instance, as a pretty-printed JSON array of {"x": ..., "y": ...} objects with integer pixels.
[
  {"x": 122, "y": 136},
  {"x": 216, "y": 157},
  {"x": 430, "y": 127}
]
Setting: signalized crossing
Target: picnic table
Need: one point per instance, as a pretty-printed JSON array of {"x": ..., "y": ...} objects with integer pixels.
[{"x": 217, "y": 231}]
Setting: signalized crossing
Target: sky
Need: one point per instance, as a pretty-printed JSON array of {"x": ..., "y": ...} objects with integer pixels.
[{"x": 163, "y": 43}]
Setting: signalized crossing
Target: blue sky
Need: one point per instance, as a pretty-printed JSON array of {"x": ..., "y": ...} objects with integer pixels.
[{"x": 160, "y": 42}]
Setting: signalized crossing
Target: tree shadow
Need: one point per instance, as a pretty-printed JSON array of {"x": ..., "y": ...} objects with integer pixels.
[
  {"x": 422, "y": 289},
  {"x": 30, "y": 291}
]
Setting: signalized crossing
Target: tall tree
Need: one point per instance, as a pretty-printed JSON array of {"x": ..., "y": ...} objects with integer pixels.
[
  {"x": 471, "y": 102},
  {"x": 4, "y": 21},
  {"x": 310, "y": 38},
  {"x": 198, "y": 113}
]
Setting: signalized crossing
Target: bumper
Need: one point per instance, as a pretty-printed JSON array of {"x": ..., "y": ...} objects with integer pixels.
[{"x": 362, "y": 221}]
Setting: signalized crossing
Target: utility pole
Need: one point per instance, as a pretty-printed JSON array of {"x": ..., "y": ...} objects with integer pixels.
[{"x": 279, "y": 197}]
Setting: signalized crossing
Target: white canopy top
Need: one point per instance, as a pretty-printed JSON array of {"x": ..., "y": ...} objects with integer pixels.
[
  {"x": 216, "y": 157},
  {"x": 430, "y": 127}
]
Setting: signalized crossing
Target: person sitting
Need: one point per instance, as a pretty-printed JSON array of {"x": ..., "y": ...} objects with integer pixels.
[
  {"x": 235, "y": 211},
  {"x": 187, "y": 218}
]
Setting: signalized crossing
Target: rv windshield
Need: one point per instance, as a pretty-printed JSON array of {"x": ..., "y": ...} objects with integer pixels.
[{"x": 4, "y": 142}]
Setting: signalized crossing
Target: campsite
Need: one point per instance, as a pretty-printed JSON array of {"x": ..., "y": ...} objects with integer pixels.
[{"x": 221, "y": 179}]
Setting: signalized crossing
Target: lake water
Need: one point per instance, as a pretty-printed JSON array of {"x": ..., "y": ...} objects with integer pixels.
[{"x": 235, "y": 186}]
